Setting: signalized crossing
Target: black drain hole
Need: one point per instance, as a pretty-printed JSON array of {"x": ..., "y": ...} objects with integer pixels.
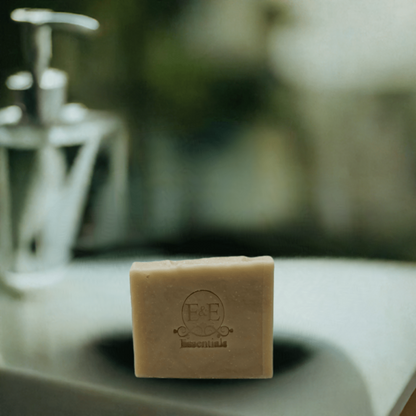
[{"x": 287, "y": 354}]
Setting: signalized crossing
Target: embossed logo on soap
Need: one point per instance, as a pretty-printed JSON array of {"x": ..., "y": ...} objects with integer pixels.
[{"x": 203, "y": 316}]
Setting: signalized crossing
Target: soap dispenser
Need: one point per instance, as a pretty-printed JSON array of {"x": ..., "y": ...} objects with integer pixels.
[{"x": 48, "y": 149}]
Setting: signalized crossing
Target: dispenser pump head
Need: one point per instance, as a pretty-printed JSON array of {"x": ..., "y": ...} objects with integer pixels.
[{"x": 42, "y": 90}]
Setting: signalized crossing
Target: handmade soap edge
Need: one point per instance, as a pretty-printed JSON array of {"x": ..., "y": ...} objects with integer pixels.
[
  {"x": 268, "y": 299},
  {"x": 143, "y": 267},
  {"x": 135, "y": 305}
]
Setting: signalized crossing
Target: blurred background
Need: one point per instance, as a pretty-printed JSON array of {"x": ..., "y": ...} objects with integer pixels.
[{"x": 281, "y": 127}]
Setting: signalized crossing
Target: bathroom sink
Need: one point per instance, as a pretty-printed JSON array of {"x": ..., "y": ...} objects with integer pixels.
[
  {"x": 309, "y": 380},
  {"x": 342, "y": 345}
]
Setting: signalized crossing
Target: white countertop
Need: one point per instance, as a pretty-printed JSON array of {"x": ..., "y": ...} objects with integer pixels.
[{"x": 358, "y": 316}]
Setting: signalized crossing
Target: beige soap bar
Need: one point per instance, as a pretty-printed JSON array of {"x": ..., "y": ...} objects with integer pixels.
[{"x": 207, "y": 318}]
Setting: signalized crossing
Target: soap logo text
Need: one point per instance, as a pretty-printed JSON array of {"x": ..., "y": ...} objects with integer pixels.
[{"x": 203, "y": 315}]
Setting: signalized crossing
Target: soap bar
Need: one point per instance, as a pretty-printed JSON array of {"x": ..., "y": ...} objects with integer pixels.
[{"x": 205, "y": 318}]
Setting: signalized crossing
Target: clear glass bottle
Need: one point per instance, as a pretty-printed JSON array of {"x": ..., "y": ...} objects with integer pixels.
[{"x": 47, "y": 153}]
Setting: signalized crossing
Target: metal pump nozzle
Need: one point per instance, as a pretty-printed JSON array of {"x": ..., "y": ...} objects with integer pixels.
[{"x": 41, "y": 92}]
